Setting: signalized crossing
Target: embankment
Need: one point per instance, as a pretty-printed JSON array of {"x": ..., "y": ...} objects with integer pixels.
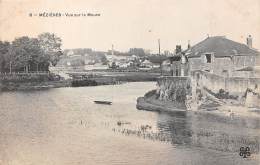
[
  {"x": 150, "y": 102},
  {"x": 30, "y": 81},
  {"x": 169, "y": 96}
]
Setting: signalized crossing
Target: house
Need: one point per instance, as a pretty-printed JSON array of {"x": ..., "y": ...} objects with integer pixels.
[
  {"x": 146, "y": 64},
  {"x": 221, "y": 56}
]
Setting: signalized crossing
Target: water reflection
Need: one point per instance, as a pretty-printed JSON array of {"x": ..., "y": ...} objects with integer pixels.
[
  {"x": 64, "y": 126},
  {"x": 199, "y": 130},
  {"x": 177, "y": 125}
]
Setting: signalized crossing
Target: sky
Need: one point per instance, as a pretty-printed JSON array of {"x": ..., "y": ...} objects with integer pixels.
[{"x": 133, "y": 23}]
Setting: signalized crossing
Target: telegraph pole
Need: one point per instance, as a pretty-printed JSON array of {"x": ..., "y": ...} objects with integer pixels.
[
  {"x": 159, "y": 46},
  {"x": 112, "y": 50}
]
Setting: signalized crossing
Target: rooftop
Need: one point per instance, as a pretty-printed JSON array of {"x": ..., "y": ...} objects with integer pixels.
[{"x": 221, "y": 47}]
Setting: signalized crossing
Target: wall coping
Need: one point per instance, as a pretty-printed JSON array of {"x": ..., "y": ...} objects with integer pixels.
[{"x": 174, "y": 77}]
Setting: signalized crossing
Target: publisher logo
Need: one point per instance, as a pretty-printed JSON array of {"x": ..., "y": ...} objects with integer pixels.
[{"x": 244, "y": 152}]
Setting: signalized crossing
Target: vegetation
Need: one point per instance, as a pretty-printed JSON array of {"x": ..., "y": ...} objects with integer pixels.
[
  {"x": 26, "y": 54},
  {"x": 222, "y": 94},
  {"x": 137, "y": 51},
  {"x": 150, "y": 93},
  {"x": 82, "y": 56}
]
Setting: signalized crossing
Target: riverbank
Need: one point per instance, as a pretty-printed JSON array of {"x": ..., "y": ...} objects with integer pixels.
[
  {"x": 152, "y": 104},
  {"x": 15, "y": 86},
  {"x": 221, "y": 107},
  {"x": 38, "y": 82}
]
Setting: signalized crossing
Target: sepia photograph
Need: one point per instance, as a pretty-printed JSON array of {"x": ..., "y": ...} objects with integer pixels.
[{"x": 129, "y": 82}]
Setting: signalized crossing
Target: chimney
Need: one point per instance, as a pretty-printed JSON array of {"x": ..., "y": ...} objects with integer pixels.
[
  {"x": 249, "y": 41},
  {"x": 188, "y": 44}
]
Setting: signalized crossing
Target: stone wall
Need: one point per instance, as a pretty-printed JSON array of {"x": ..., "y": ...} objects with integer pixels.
[
  {"x": 225, "y": 66},
  {"x": 171, "y": 88},
  {"x": 237, "y": 85},
  {"x": 176, "y": 88}
]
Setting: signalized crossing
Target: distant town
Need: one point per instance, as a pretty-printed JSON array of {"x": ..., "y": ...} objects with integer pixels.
[{"x": 134, "y": 59}]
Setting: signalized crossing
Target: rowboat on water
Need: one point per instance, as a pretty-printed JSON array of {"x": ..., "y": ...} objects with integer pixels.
[{"x": 103, "y": 102}]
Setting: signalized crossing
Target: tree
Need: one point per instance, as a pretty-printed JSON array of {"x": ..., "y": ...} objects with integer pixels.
[
  {"x": 30, "y": 54},
  {"x": 4, "y": 49},
  {"x": 23, "y": 53},
  {"x": 51, "y": 46},
  {"x": 137, "y": 51}
]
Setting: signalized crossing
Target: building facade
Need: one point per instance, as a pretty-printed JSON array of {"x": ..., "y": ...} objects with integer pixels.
[{"x": 222, "y": 56}]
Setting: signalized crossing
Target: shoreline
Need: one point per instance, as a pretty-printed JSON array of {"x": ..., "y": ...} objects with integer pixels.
[
  {"x": 99, "y": 81},
  {"x": 150, "y": 103},
  {"x": 143, "y": 104},
  {"x": 27, "y": 86}
]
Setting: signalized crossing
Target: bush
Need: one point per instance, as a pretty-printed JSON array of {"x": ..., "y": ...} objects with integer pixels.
[
  {"x": 150, "y": 93},
  {"x": 222, "y": 94},
  {"x": 80, "y": 83}
]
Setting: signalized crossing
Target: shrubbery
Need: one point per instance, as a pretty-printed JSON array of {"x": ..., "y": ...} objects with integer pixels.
[
  {"x": 222, "y": 94},
  {"x": 150, "y": 93}
]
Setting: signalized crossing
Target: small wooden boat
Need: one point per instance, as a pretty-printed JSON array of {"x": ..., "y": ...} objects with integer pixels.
[{"x": 103, "y": 102}]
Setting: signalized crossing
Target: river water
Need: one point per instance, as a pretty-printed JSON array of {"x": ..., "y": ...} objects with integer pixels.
[{"x": 64, "y": 127}]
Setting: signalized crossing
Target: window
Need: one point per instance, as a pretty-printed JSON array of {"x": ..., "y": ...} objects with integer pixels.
[{"x": 208, "y": 58}]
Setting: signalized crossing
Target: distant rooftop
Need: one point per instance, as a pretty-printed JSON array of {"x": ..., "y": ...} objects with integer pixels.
[{"x": 222, "y": 47}]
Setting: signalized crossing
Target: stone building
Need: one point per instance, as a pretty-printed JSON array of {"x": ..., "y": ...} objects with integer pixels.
[
  {"x": 213, "y": 65},
  {"x": 221, "y": 56}
]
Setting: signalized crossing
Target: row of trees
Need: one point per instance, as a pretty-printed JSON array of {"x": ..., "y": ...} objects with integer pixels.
[
  {"x": 132, "y": 51},
  {"x": 26, "y": 54}
]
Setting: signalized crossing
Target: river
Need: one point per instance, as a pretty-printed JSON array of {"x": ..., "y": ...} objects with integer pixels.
[{"x": 63, "y": 126}]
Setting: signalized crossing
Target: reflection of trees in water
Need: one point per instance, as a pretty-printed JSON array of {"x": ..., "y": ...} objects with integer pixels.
[{"x": 177, "y": 126}]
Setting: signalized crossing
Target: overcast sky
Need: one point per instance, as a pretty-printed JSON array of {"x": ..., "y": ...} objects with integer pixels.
[{"x": 133, "y": 23}]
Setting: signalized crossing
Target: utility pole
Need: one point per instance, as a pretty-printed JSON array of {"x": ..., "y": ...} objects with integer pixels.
[
  {"x": 159, "y": 45},
  {"x": 112, "y": 49}
]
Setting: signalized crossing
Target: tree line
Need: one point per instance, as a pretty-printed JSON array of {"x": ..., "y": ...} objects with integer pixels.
[{"x": 25, "y": 54}]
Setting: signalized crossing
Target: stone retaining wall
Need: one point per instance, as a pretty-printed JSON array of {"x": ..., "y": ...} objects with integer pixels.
[
  {"x": 237, "y": 85},
  {"x": 170, "y": 88}
]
